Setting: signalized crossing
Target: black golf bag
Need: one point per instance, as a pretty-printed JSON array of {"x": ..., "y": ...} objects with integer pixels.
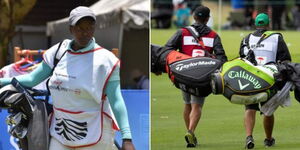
[
  {"x": 29, "y": 117},
  {"x": 158, "y": 59},
  {"x": 190, "y": 74},
  {"x": 289, "y": 71}
]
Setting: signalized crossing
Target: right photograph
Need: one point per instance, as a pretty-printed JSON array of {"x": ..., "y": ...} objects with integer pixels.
[{"x": 225, "y": 74}]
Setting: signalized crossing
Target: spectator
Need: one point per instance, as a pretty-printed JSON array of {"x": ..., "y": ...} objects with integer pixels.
[
  {"x": 249, "y": 9},
  {"x": 141, "y": 80},
  {"x": 278, "y": 7},
  {"x": 176, "y": 3},
  {"x": 193, "y": 4},
  {"x": 296, "y": 16},
  {"x": 162, "y": 13},
  {"x": 182, "y": 15}
]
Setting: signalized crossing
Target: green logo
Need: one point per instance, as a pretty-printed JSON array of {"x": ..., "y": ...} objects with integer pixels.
[{"x": 242, "y": 74}]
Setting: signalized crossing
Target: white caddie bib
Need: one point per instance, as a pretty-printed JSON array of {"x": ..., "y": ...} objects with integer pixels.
[
  {"x": 76, "y": 87},
  {"x": 190, "y": 40},
  {"x": 266, "y": 51}
]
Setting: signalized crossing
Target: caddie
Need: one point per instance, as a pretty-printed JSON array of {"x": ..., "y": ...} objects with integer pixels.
[
  {"x": 196, "y": 40},
  {"x": 267, "y": 47}
]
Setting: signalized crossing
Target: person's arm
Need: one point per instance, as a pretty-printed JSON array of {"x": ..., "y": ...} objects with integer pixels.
[
  {"x": 242, "y": 46},
  {"x": 175, "y": 42},
  {"x": 283, "y": 53},
  {"x": 42, "y": 72},
  {"x": 113, "y": 92},
  {"x": 219, "y": 50}
]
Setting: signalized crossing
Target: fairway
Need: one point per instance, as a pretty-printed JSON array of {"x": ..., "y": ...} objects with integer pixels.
[{"x": 221, "y": 124}]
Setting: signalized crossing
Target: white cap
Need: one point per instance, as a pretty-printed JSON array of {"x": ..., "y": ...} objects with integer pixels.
[{"x": 79, "y": 12}]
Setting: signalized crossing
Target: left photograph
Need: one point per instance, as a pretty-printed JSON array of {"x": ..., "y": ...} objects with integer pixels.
[{"x": 74, "y": 75}]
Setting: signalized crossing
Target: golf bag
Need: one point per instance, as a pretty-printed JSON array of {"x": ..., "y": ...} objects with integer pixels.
[
  {"x": 28, "y": 119},
  {"x": 190, "y": 74},
  {"x": 289, "y": 71},
  {"x": 158, "y": 59},
  {"x": 244, "y": 83}
]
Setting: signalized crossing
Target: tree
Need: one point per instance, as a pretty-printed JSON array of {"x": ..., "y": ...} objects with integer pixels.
[{"x": 12, "y": 13}]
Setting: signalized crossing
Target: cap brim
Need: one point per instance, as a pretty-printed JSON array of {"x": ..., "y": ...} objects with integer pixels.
[{"x": 73, "y": 23}]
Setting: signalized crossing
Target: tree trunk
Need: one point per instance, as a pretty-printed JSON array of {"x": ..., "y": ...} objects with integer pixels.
[
  {"x": 11, "y": 13},
  {"x": 3, "y": 53}
]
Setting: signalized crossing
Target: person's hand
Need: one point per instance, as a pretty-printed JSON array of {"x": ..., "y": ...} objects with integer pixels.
[{"x": 127, "y": 145}]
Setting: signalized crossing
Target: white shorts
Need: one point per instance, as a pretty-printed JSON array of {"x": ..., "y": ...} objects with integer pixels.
[{"x": 106, "y": 142}]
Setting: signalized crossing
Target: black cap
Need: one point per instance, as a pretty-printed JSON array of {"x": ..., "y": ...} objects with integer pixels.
[{"x": 202, "y": 11}]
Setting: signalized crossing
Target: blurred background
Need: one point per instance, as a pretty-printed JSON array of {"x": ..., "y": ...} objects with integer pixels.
[{"x": 227, "y": 14}]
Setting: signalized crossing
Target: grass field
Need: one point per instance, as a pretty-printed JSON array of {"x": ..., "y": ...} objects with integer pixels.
[{"x": 221, "y": 125}]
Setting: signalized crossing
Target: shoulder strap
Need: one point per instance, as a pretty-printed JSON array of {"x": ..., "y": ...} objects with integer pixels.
[
  {"x": 193, "y": 31},
  {"x": 270, "y": 33},
  {"x": 195, "y": 34},
  {"x": 251, "y": 56},
  {"x": 57, "y": 57},
  {"x": 246, "y": 41},
  {"x": 264, "y": 36}
]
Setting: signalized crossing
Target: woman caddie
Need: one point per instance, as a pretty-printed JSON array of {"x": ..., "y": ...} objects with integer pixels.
[{"x": 84, "y": 83}]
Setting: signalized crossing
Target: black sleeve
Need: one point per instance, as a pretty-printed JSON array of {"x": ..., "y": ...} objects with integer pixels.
[
  {"x": 175, "y": 42},
  {"x": 282, "y": 50},
  {"x": 218, "y": 49},
  {"x": 244, "y": 43},
  {"x": 242, "y": 54}
]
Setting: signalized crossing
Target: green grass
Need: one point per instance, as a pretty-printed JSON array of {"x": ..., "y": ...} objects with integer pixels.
[
  {"x": 221, "y": 124},
  {"x": 231, "y": 40}
]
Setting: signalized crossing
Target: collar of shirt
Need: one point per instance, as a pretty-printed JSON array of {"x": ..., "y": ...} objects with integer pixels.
[
  {"x": 201, "y": 28},
  {"x": 90, "y": 46},
  {"x": 259, "y": 32}
]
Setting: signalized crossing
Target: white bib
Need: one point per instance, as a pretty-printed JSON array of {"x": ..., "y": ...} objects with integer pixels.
[
  {"x": 266, "y": 51},
  {"x": 76, "y": 87},
  {"x": 190, "y": 40}
]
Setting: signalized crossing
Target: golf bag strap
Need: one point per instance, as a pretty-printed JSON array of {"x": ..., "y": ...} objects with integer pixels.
[
  {"x": 58, "y": 55},
  {"x": 195, "y": 34},
  {"x": 246, "y": 42},
  {"x": 57, "y": 58},
  {"x": 263, "y": 36},
  {"x": 269, "y": 33}
]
